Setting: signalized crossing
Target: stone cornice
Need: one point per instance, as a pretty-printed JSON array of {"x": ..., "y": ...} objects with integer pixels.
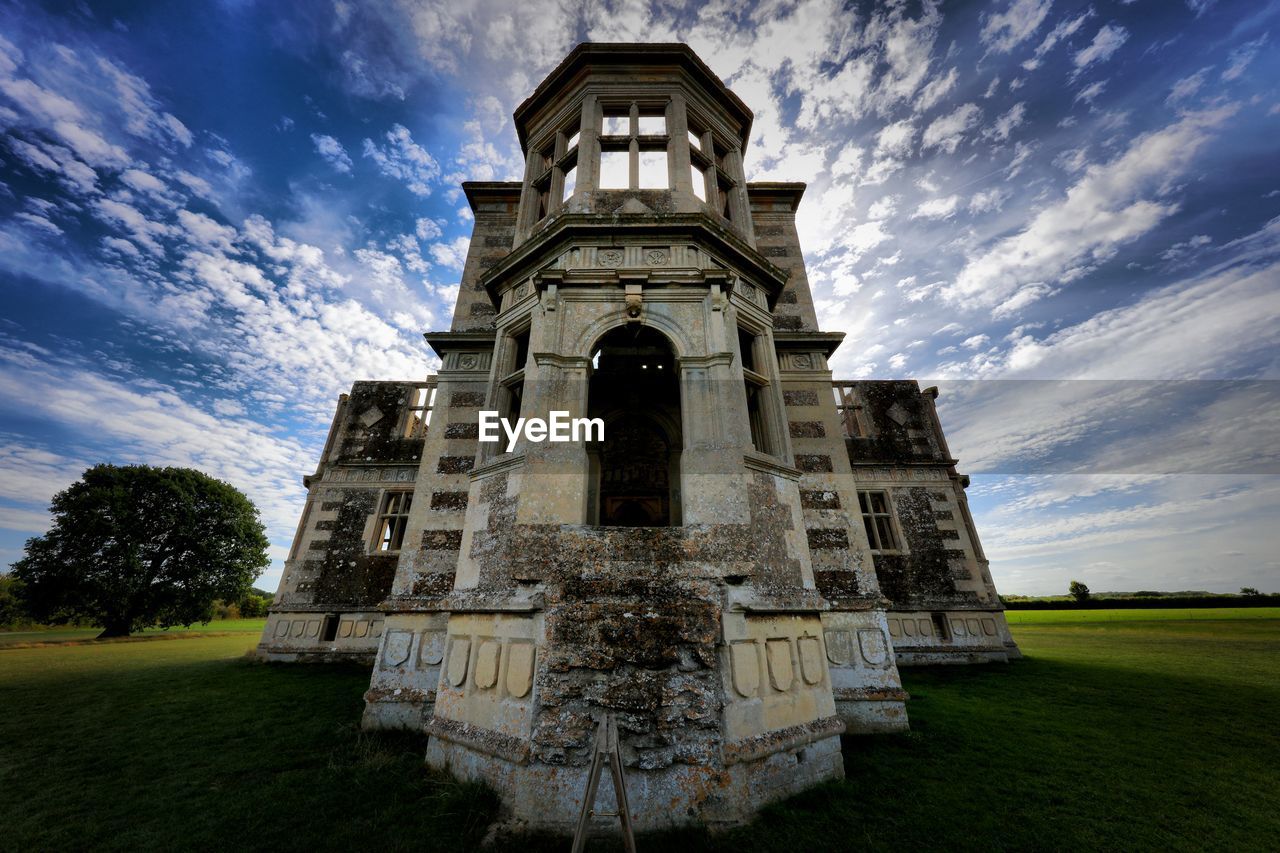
[{"x": 535, "y": 255}]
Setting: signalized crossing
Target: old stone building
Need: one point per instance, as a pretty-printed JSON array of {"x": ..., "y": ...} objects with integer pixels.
[{"x": 735, "y": 571}]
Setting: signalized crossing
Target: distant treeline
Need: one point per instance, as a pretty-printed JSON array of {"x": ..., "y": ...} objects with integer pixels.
[{"x": 1103, "y": 602}]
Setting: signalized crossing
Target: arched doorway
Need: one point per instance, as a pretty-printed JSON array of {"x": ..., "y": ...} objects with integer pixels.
[{"x": 635, "y": 389}]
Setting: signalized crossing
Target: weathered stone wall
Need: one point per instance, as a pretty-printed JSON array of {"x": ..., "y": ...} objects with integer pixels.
[
  {"x": 939, "y": 575},
  {"x": 494, "y": 206},
  {"x": 332, "y": 572},
  {"x": 773, "y": 213},
  {"x": 659, "y": 626}
]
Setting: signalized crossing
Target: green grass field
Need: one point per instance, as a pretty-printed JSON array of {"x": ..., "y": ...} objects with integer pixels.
[
  {"x": 20, "y": 639},
  {"x": 1137, "y": 732}
]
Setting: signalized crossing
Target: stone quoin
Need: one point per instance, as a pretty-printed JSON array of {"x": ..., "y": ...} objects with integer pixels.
[{"x": 735, "y": 569}]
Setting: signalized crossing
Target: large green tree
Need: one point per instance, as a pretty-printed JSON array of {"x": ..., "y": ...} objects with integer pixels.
[{"x": 135, "y": 546}]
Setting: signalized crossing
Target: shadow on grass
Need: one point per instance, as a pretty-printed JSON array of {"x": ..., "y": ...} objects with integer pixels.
[
  {"x": 141, "y": 746},
  {"x": 1041, "y": 754},
  {"x": 217, "y": 754}
]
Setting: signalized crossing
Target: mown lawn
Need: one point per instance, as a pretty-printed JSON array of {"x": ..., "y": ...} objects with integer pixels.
[
  {"x": 1118, "y": 733},
  {"x": 10, "y": 639}
]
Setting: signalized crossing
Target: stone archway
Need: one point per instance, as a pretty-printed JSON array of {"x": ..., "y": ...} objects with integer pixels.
[{"x": 635, "y": 388}]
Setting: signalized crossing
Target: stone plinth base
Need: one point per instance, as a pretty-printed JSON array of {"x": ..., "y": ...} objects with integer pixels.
[
  {"x": 872, "y": 712},
  {"x": 935, "y": 655},
  {"x": 267, "y": 654},
  {"x": 543, "y": 797},
  {"x": 396, "y": 709}
]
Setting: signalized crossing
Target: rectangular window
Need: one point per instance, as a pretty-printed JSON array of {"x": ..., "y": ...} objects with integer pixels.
[
  {"x": 747, "y": 348},
  {"x": 393, "y": 518},
  {"x": 570, "y": 182},
  {"x": 699, "y": 182},
  {"x": 615, "y": 169},
  {"x": 878, "y": 519},
  {"x": 572, "y": 142},
  {"x": 756, "y": 386},
  {"x": 755, "y": 417},
  {"x": 418, "y": 417},
  {"x": 544, "y": 198},
  {"x": 726, "y": 209},
  {"x": 617, "y": 125},
  {"x": 849, "y": 410},
  {"x": 653, "y": 125},
  {"x": 653, "y": 170},
  {"x": 695, "y": 141}
]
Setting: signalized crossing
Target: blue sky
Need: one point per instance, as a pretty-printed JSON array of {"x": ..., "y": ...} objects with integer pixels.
[{"x": 214, "y": 217}]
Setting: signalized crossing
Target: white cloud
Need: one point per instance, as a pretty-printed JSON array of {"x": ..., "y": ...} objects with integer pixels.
[
  {"x": 937, "y": 208},
  {"x": 1064, "y": 30},
  {"x": 987, "y": 201},
  {"x": 1024, "y": 296},
  {"x": 1105, "y": 43},
  {"x": 1188, "y": 86},
  {"x": 332, "y": 152},
  {"x": 1240, "y": 58},
  {"x": 1007, "y": 123},
  {"x": 426, "y": 229},
  {"x": 403, "y": 159},
  {"x": 936, "y": 89},
  {"x": 1004, "y": 31},
  {"x": 1111, "y": 205},
  {"x": 895, "y": 139},
  {"x": 947, "y": 132},
  {"x": 1089, "y": 93},
  {"x": 144, "y": 182},
  {"x": 883, "y": 207},
  {"x": 451, "y": 255}
]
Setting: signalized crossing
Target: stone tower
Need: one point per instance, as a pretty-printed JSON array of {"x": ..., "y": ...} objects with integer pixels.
[{"x": 714, "y": 571}]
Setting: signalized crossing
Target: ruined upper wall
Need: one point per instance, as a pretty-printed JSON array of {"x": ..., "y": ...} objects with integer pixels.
[
  {"x": 374, "y": 427},
  {"x": 892, "y": 422}
]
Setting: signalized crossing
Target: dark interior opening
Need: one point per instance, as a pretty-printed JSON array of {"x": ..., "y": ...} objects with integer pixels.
[
  {"x": 940, "y": 626},
  {"x": 635, "y": 389},
  {"x": 329, "y": 632}
]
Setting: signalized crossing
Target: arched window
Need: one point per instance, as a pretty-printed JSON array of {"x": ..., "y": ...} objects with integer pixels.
[{"x": 635, "y": 470}]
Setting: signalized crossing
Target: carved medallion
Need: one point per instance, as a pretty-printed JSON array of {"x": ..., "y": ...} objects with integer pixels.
[
  {"x": 520, "y": 658},
  {"x": 468, "y": 361},
  {"x": 811, "y": 663},
  {"x": 459, "y": 655},
  {"x": 874, "y": 649},
  {"x": 840, "y": 648},
  {"x": 611, "y": 258},
  {"x": 396, "y": 650},
  {"x": 802, "y": 361},
  {"x": 781, "y": 672},
  {"x": 655, "y": 257},
  {"x": 431, "y": 650},
  {"x": 746, "y": 668},
  {"x": 487, "y": 664}
]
